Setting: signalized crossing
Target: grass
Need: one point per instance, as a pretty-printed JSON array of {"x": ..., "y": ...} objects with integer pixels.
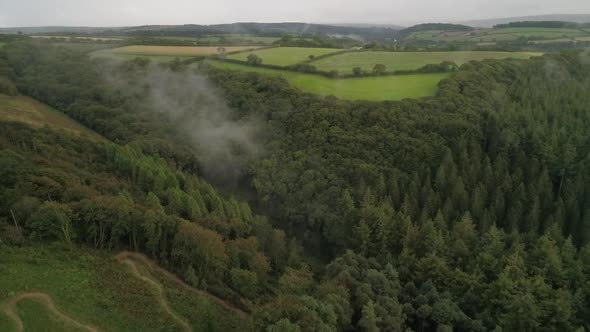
[
  {"x": 502, "y": 34},
  {"x": 228, "y": 38},
  {"x": 108, "y": 54},
  {"x": 284, "y": 56},
  {"x": 587, "y": 38},
  {"x": 95, "y": 289},
  {"x": 2, "y": 44},
  {"x": 368, "y": 88},
  {"x": 406, "y": 60},
  {"x": 177, "y": 50},
  {"x": 28, "y": 110}
]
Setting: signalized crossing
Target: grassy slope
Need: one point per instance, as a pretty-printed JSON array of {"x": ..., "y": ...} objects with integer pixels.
[
  {"x": 177, "y": 50},
  {"x": 407, "y": 60},
  {"x": 284, "y": 56},
  {"x": 370, "y": 88},
  {"x": 27, "y": 110},
  {"x": 503, "y": 34},
  {"x": 95, "y": 289}
]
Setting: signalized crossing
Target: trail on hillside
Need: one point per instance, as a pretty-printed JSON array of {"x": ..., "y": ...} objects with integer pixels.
[
  {"x": 45, "y": 299},
  {"x": 160, "y": 294},
  {"x": 155, "y": 267}
]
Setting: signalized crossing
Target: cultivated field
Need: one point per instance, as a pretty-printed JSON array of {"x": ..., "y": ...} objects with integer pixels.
[
  {"x": 228, "y": 38},
  {"x": 29, "y": 111},
  {"x": 344, "y": 63},
  {"x": 52, "y": 289},
  {"x": 177, "y": 51},
  {"x": 367, "y": 88},
  {"x": 284, "y": 56},
  {"x": 494, "y": 35}
]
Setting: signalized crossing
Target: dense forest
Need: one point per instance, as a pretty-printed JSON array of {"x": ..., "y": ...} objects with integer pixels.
[{"x": 466, "y": 211}]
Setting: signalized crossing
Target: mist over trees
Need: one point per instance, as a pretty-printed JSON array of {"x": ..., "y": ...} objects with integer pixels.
[{"x": 465, "y": 211}]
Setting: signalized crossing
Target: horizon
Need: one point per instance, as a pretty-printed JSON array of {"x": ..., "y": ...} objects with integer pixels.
[
  {"x": 368, "y": 23},
  {"x": 109, "y": 13}
]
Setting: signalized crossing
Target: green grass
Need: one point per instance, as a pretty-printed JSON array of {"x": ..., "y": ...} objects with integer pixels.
[
  {"x": 30, "y": 111},
  {"x": 95, "y": 289},
  {"x": 36, "y": 317},
  {"x": 126, "y": 57},
  {"x": 502, "y": 34},
  {"x": 367, "y": 88},
  {"x": 344, "y": 63},
  {"x": 284, "y": 56},
  {"x": 2, "y": 44}
]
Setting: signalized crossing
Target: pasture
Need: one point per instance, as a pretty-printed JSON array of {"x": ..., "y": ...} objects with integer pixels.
[
  {"x": 51, "y": 288},
  {"x": 344, "y": 63},
  {"x": 2, "y": 44},
  {"x": 230, "y": 38},
  {"x": 495, "y": 35},
  {"x": 366, "y": 88},
  {"x": 30, "y": 111},
  {"x": 108, "y": 54},
  {"x": 177, "y": 51},
  {"x": 284, "y": 56}
]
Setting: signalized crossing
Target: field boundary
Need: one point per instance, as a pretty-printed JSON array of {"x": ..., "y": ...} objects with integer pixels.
[{"x": 8, "y": 309}]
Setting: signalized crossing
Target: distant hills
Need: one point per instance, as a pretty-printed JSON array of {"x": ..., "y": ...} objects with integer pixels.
[
  {"x": 194, "y": 30},
  {"x": 489, "y": 23}
]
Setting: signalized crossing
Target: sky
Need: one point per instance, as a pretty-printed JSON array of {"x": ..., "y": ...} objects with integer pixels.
[{"x": 15, "y": 13}]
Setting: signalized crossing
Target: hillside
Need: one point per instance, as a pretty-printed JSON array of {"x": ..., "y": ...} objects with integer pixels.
[
  {"x": 488, "y": 23},
  {"x": 53, "y": 288},
  {"x": 32, "y": 112}
]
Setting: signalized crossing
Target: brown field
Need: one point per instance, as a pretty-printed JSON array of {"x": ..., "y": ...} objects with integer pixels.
[
  {"x": 177, "y": 50},
  {"x": 587, "y": 38},
  {"x": 36, "y": 114}
]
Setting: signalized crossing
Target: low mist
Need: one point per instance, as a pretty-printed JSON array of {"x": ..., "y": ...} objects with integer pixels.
[{"x": 223, "y": 142}]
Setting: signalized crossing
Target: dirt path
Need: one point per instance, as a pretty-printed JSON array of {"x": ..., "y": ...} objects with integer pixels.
[
  {"x": 160, "y": 294},
  {"x": 45, "y": 299},
  {"x": 155, "y": 267}
]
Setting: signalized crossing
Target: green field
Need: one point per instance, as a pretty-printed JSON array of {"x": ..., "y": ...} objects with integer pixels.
[
  {"x": 284, "y": 56},
  {"x": 36, "y": 114},
  {"x": 227, "y": 38},
  {"x": 94, "y": 289},
  {"x": 344, "y": 63},
  {"x": 493, "y": 35},
  {"x": 2, "y": 44},
  {"x": 367, "y": 88},
  {"x": 108, "y": 54}
]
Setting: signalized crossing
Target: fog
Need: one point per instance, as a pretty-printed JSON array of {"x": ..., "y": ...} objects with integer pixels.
[
  {"x": 223, "y": 141},
  {"x": 138, "y": 12}
]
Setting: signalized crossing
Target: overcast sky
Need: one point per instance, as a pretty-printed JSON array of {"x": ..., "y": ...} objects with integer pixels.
[{"x": 139, "y": 12}]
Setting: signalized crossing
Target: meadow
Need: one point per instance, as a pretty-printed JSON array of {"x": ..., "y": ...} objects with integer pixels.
[
  {"x": 284, "y": 56},
  {"x": 2, "y": 44},
  {"x": 502, "y": 34},
  {"x": 366, "y": 88},
  {"x": 231, "y": 38},
  {"x": 108, "y": 54},
  {"x": 96, "y": 290},
  {"x": 344, "y": 63},
  {"x": 178, "y": 50},
  {"x": 30, "y": 111}
]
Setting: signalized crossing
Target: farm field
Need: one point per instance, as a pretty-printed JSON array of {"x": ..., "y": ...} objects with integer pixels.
[
  {"x": 284, "y": 56},
  {"x": 366, "y": 88},
  {"x": 91, "y": 290},
  {"x": 406, "y": 60},
  {"x": 30, "y": 111},
  {"x": 108, "y": 54},
  {"x": 177, "y": 50},
  {"x": 587, "y": 38},
  {"x": 492, "y": 35},
  {"x": 228, "y": 38},
  {"x": 2, "y": 44}
]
